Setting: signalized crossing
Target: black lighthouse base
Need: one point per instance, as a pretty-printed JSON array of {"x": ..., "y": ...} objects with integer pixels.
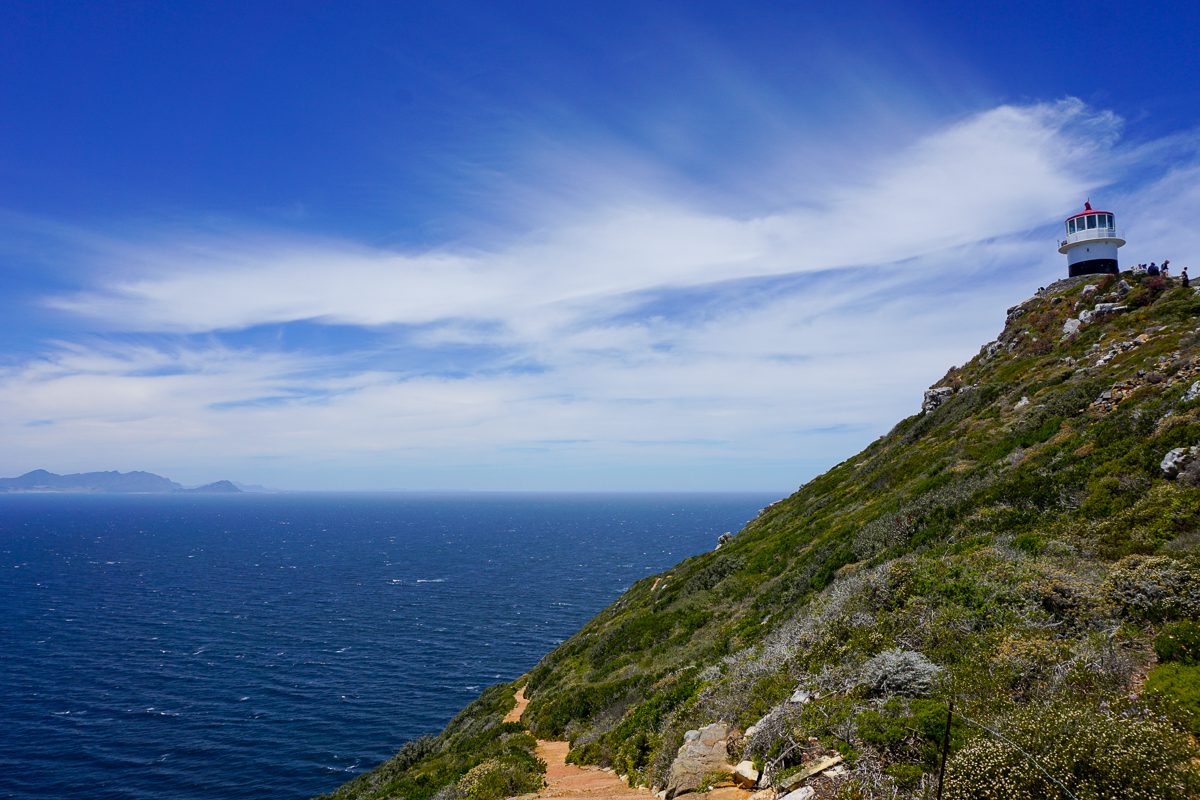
[{"x": 1096, "y": 266}]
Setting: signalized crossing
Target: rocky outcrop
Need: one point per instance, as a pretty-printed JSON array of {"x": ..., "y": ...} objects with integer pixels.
[
  {"x": 935, "y": 397},
  {"x": 1178, "y": 460},
  {"x": 1193, "y": 393},
  {"x": 704, "y": 752},
  {"x": 1101, "y": 309}
]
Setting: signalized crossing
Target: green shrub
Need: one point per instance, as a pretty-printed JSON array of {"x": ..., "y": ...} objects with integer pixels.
[
  {"x": 1155, "y": 587},
  {"x": 1179, "y": 641},
  {"x": 1093, "y": 753},
  {"x": 1030, "y": 542},
  {"x": 906, "y": 776},
  {"x": 498, "y": 778},
  {"x": 1175, "y": 690},
  {"x": 909, "y": 731}
]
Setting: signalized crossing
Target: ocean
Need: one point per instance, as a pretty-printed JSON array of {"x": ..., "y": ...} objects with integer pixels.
[{"x": 237, "y": 646}]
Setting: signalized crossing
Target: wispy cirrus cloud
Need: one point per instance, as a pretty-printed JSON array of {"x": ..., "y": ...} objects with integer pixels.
[
  {"x": 675, "y": 347},
  {"x": 994, "y": 174}
]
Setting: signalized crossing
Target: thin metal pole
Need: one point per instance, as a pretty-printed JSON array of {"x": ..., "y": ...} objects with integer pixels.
[{"x": 945, "y": 749}]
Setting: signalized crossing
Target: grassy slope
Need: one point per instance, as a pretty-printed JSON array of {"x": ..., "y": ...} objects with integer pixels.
[{"x": 1031, "y": 550}]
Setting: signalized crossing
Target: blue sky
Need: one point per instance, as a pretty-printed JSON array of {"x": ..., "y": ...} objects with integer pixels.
[{"x": 547, "y": 246}]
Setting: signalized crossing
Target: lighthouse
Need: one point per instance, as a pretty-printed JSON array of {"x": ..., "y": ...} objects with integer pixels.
[{"x": 1091, "y": 243}]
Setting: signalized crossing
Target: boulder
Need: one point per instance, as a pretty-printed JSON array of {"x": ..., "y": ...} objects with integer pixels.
[
  {"x": 1071, "y": 327},
  {"x": 1090, "y": 289},
  {"x": 1016, "y": 311},
  {"x": 1108, "y": 308},
  {"x": 1123, "y": 288},
  {"x": 745, "y": 776},
  {"x": 803, "y": 793},
  {"x": 1177, "y": 460},
  {"x": 703, "y": 752},
  {"x": 935, "y": 397},
  {"x": 1193, "y": 393},
  {"x": 801, "y": 695}
]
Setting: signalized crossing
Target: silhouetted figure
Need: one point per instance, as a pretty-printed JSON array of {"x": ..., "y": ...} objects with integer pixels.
[
  {"x": 1152, "y": 269},
  {"x": 1184, "y": 278}
]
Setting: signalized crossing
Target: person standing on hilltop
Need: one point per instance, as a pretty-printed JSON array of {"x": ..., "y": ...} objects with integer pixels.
[{"x": 1184, "y": 277}]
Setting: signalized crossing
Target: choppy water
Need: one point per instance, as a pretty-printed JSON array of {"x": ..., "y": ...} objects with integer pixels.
[{"x": 275, "y": 645}]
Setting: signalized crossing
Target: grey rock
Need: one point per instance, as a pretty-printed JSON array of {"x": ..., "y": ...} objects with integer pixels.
[
  {"x": 1109, "y": 308},
  {"x": 704, "y": 751},
  {"x": 1177, "y": 460},
  {"x": 1193, "y": 393},
  {"x": 1071, "y": 327},
  {"x": 1024, "y": 401},
  {"x": 1086, "y": 316},
  {"x": 1016, "y": 311},
  {"x": 935, "y": 397},
  {"x": 1123, "y": 288},
  {"x": 800, "y": 696},
  {"x": 1090, "y": 289},
  {"x": 803, "y": 793}
]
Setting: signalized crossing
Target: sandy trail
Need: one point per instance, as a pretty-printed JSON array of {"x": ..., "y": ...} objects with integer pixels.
[{"x": 565, "y": 781}]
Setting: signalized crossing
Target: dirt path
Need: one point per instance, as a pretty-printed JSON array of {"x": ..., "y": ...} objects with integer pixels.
[{"x": 567, "y": 781}]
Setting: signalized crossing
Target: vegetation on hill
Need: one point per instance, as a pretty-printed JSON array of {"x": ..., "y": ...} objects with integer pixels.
[
  {"x": 478, "y": 757},
  {"x": 1016, "y": 549}
]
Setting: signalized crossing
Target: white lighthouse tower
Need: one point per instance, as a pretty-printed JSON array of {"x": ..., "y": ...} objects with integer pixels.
[{"x": 1091, "y": 243}]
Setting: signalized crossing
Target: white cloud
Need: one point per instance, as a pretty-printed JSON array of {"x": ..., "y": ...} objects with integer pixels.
[
  {"x": 993, "y": 174},
  {"x": 640, "y": 336}
]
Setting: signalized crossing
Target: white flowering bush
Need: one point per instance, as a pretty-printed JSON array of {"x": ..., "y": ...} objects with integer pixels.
[{"x": 1096, "y": 754}]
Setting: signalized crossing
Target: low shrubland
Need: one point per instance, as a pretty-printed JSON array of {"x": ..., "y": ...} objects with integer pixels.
[
  {"x": 1016, "y": 552},
  {"x": 477, "y": 757}
]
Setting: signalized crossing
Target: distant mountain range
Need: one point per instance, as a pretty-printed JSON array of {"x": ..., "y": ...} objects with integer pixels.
[{"x": 111, "y": 482}]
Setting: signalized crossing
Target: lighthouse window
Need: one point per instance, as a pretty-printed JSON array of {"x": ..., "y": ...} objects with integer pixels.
[
  {"x": 1070, "y": 226},
  {"x": 1108, "y": 218},
  {"x": 1091, "y": 221}
]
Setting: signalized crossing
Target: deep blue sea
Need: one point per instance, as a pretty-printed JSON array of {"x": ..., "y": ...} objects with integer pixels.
[{"x": 275, "y": 645}]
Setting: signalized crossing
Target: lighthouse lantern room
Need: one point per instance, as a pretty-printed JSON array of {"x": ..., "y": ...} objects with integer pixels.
[{"x": 1091, "y": 243}]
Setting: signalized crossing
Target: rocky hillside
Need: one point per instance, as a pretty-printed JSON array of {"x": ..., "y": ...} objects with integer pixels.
[{"x": 1027, "y": 547}]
